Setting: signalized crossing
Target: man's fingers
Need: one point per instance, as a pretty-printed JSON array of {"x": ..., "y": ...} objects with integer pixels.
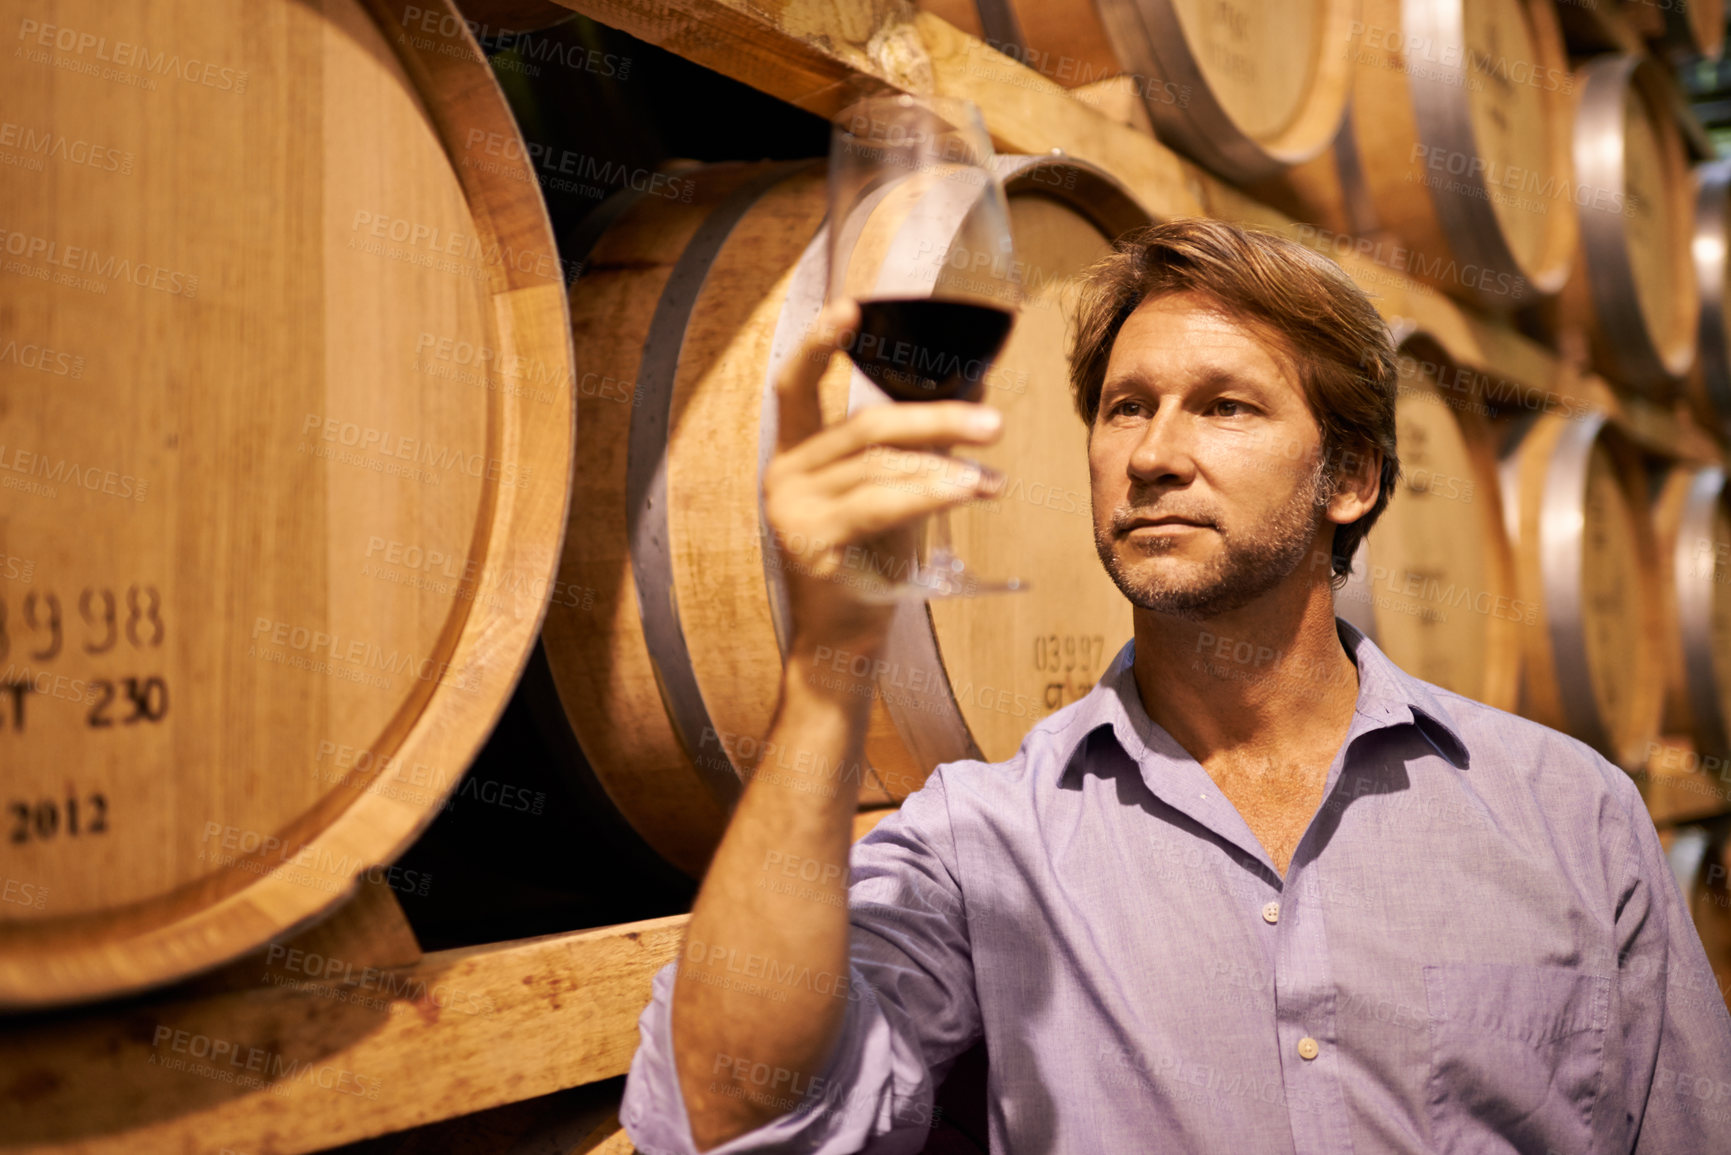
[
  {"x": 890, "y": 467},
  {"x": 870, "y": 510},
  {"x": 800, "y": 415},
  {"x": 924, "y": 425}
]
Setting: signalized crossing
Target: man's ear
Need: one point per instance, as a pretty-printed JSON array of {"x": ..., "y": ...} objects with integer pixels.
[{"x": 1356, "y": 485}]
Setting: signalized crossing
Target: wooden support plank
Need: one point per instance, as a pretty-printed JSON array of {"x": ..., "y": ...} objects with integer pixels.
[
  {"x": 323, "y": 1054},
  {"x": 819, "y": 55}
]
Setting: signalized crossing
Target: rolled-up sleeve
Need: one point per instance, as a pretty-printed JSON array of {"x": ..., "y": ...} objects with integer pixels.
[
  {"x": 1676, "y": 1031},
  {"x": 912, "y": 1009}
]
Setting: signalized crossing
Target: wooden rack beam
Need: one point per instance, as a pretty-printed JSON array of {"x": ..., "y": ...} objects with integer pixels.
[{"x": 343, "y": 1055}]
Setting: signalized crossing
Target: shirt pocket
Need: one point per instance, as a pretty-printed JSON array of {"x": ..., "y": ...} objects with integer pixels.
[{"x": 1517, "y": 1053}]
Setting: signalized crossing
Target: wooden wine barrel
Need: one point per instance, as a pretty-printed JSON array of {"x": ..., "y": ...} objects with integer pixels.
[
  {"x": 1692, "y": 528},
  {"x": 688, "y": 306},
  {"x": 1433, "y": 583},
  {"x": 1710, "y": 380},
  {"x": 1575, "y": 506},
  {"x": 1633, "y": 290},
  {"x": 1455, "y": 157},
  {"x": 284, "y": 478},
  {"x": 1243, "y": 87}
]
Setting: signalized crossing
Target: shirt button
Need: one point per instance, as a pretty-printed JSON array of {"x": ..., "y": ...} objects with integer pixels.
[
  {"x": 1271, "y": 913},
  {"x": 1307, "y": 1048}
]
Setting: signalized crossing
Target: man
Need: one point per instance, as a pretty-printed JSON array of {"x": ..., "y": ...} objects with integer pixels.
[{"x": 1259, "y": 891}]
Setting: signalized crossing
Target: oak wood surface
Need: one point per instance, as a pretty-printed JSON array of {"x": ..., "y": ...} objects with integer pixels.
[
  {"x": 1436, "y": 573},
  {"x": 344, "y": 1052},
  {"x": 1605, "y": 617},
  {"x": 237, "y": 646}
]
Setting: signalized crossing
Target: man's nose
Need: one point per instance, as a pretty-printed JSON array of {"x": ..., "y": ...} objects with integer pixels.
[{"x": 1166, "y": 447}]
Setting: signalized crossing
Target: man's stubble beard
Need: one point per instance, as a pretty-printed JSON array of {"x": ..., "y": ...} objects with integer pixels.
[{"x": 1248, "y": 566}]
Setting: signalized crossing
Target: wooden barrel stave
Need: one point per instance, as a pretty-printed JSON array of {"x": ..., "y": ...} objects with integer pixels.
[
  {"x": 252, "y": 514},
  {"x": 1575, "y": 508},
  {"x": 1433, "y": 583},
  {"x": 1709, "y": 383},
  {"x": 1633, "y": 291},
  {"x": 1692, "y": 524},
  {"x": 602, "y": 663}
]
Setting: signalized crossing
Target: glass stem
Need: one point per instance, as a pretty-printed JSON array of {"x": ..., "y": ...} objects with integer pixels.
[
  {"x": 940, "y": 547},
  {"x": 939, "y": 553}
]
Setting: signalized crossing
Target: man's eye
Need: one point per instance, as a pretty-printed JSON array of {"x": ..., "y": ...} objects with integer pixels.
[
  {"x": 1126, "y": 408},
  {"x": 1228, "y": 408}
]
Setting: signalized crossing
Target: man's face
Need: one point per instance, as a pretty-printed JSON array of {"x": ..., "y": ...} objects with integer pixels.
[{"x": 1208, "y": 477}]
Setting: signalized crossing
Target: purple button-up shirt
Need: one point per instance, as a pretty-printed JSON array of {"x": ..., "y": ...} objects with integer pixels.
[{"x": 1478, "y": 947}]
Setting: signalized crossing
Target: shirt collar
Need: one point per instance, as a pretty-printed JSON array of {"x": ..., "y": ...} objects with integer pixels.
[{"x": 1387, "y": 696}]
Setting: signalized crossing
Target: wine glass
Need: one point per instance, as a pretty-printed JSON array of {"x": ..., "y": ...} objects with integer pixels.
[{"x": 919, "y": 236}]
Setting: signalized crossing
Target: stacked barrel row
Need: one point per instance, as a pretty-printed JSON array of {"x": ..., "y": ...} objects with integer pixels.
[
  {"x": 1535, "y": 557},
  {"x": 1540, "y": 562},
  {"x": 1459, "y": 143},
  {"x": 346, "y": 581}
]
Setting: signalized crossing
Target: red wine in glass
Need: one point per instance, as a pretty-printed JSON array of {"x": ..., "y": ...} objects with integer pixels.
[
  {"x": 918, "y": 236},
  {"x": 929, "y": 348}
]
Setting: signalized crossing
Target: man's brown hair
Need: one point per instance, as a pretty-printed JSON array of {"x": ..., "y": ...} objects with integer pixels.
[{"x": 1322, "y": 323}]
